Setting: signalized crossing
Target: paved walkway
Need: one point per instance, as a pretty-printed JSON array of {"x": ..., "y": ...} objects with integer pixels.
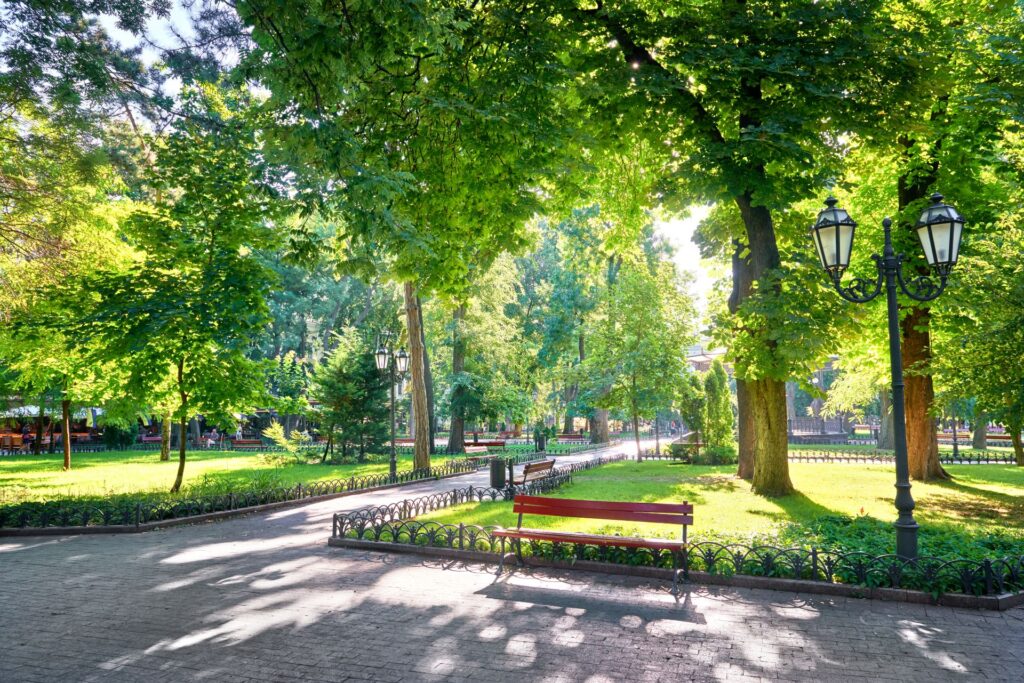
[{"x": 263, "y": 598}]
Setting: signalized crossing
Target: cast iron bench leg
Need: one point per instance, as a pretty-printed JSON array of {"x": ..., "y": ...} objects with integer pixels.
[{"x": 501, "y": 564}]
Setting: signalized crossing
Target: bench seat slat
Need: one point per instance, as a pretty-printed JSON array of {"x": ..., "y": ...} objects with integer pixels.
[
  {"x": 546, "y": 501},
  {"x": 592, "y": 513},
  {"x": 592, "y": 539}
]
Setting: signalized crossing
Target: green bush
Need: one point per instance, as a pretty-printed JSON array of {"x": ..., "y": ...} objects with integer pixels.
[
  {"x": 716, "y": 455},
  {"x": 119, "y": 438}
]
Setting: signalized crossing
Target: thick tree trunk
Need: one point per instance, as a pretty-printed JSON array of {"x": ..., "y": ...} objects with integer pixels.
[
  {"x": 569, "y": 421},
  {"x": 421, "y": 447},
  {"x": 599, "y": 427},
  {"x": 922, "y": 441},
  {"x": 65, "y": 428},
  {"x": 771, "y": 465},
  {"x": 457, "y": 435},
  {"x": 745, "y": 425},
  {"x": 1018, "y": 447},
  {"x": 745, "y": 431},
  {"x": 979, "y": 431},
  {"x": 165, "y": 438},
  {"x": 428, "y": 379},
  {"x": 885, "y": 433}
]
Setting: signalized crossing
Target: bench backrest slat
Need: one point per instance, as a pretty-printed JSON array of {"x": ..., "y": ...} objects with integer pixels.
[{"x": 659, "y": 513}]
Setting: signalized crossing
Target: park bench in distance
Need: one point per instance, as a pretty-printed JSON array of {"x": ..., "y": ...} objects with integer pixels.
[
  {"x": 478, "y": 455},
  {"x": 534, "y": 471},
  {"x": 246, "y": 444},
  {"x": 659, "y": 513},
  {"x": 571, "y": 437}
]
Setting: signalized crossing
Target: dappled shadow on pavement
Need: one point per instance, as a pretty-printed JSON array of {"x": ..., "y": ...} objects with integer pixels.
[{"x": 263, "y": 598}]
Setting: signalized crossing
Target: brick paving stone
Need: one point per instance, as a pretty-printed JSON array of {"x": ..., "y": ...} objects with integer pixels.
[{"x": 262, "y": 598}]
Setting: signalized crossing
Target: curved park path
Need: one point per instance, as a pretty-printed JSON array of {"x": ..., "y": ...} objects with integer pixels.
[{"x": 262, "y": 598}]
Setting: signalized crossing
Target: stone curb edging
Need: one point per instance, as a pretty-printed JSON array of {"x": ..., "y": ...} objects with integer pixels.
[
  {"x": 16, "y": 532},
  {"x": 1001, "y": 602}
]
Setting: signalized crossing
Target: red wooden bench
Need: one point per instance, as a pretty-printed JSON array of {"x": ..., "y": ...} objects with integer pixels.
[
  {"x": 246, "y": 444},
  {"x": 571, "y": 437},
  {"x": 534, "y": 471},
  {"x": 659, "y": 513}
]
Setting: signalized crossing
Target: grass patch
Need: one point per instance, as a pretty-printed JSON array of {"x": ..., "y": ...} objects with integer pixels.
[
  {"x": 98, "y": 475},
  {"x": 979, "y": 513}
]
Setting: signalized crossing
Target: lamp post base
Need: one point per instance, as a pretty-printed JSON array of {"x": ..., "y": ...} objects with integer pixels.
[{"x": 906, "y": 539}]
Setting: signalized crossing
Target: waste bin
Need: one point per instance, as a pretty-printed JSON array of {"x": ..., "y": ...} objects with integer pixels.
[{"x": 498, "y": 473}]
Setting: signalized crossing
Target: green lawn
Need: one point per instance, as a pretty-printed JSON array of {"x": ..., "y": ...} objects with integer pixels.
[
  {"x": 983, "y": 505},
  {"x": 32, "y": 477}
]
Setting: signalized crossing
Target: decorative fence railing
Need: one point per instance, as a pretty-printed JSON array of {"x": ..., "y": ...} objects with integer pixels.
[
  {"x": 572, "y": 448},
  {"x": 871, "y": 457},
  {"x": 876, "y": 456},
  {"x": 402, "y": 510},
  {"x": 396, "y": 524},
  {"x": 129, "y": 512}
]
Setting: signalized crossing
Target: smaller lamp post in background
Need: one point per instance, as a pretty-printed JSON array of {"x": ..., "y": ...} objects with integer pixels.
[
  {"x": 939, "y": 230},
  {"x": 395, "y": 364}
]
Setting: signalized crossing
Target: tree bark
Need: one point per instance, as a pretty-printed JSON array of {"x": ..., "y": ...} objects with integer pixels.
[
  {"x": 65, "y": 428},
  {"x": 569, "y": 421},
  {"x": 979, "y": 430},
  {"x": 183, "y": 422},
  {"x": 37, "y": 444},
  {"x": 745, "y": 432},
  {"x": 428, "y": 378},
  {"x": 771, "y": 472},
  {"x": 165, "y": 438},
  {"x": 457, "y": 434},
  {"x": 885, "y": 433},
  {"x": 599, "y": 427},
  {"x": 1018, "y": 447},
  {"x": 922, "y": 441},
  {"x": 421, "y": 447}
]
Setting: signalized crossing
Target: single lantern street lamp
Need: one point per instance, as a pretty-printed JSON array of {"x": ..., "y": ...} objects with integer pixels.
[
  {"x": 939, "y": 230},
  {"x": 399, "y": 363}
]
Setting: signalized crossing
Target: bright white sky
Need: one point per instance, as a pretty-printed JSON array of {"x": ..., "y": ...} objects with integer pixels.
[{"x": 679, "y": 233}]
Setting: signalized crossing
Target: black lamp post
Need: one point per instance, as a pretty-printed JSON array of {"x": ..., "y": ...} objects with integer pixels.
[
  {"x": 399, "y": 363},
  {"x": 939, "y": 230}
]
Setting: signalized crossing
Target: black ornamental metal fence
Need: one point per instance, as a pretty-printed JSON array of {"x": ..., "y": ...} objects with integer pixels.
[
  {"x": 965, "y": 457},
  {"x": 396, "y": 523},
  {"x": 128, "y": 511}
]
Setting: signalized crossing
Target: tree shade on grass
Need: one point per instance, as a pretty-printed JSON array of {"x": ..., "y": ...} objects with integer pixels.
[
  {"x": 983, "y": 503},
  {"x": 32, "y": 477}
]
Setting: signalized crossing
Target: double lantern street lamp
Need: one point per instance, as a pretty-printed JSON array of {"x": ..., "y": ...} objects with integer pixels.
[
  {"x": 399, "y": 363},
  {"x": 939, "y": 230}
]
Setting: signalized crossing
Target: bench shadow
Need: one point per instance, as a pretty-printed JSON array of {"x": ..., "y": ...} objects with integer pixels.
[{"x": 609, "y": 610}]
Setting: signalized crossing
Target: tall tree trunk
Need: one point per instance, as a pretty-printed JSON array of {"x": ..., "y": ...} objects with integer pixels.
[
  {"x": 457, "y": 434},
  {"x": 1018, "y": 447},
  {"x": 979, "y": 430},
  {"x": 657, "y": 437},
  {"x": 922, "y": 440},
  {"x": 37, "y": 445},
  {"x": 165, "y": 438},
  {"x": 428, "y": 379},
  {"x": 771, "y": 472},
  {"x": 65, "y": 428},
  {"x": 885, "y": 432},
  {"x": 745, "y": 427},
  {"x": 767, "y": 396},
  {"x": 599, "y": 427},
  {"x": 570, "y": 416},
  {"x": 421, "y": 447},
  {"x": 183, "y": 423},
  {"x": 745, "y": 431}
]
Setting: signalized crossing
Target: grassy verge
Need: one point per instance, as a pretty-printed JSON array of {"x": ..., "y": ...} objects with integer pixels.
[
  {"x": 850, "y": 507},
  {"x": 100, "y": 475}
]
